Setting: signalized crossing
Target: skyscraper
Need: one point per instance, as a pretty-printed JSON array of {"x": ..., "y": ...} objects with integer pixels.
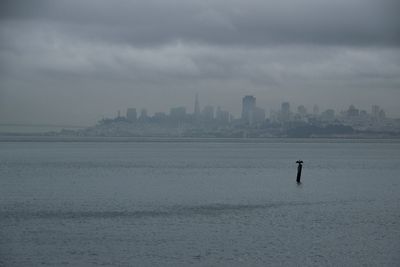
[
  {"x": 178, "y": 113},
  {"x": 259, "y": 115},
  {"x": 222, "y": 116},
  {"x": 285, "y": 112},
  {"x": 131, "y": 114},
  {"x": 208, "y": 113},
  {"x": 316, "y": 110},
  {"x": 375, "y": 111},
  {"x": 143, "y": 115},
  {"x": 352, "y": 111},
  {"x": 248, "y": 109},
  {"x": 196, "y": 112}
]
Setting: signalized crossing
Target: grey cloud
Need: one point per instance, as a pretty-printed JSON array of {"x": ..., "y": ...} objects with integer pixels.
[
  {"x": 62, "y": 60},
  {"x": 253, "y": 22}
]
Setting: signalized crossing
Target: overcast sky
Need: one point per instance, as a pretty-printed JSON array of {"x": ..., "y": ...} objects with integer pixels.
[{"x": 75, "y": 61}]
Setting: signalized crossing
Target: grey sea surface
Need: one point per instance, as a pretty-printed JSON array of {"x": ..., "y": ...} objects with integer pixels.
[{"x": 199, "y": 203}]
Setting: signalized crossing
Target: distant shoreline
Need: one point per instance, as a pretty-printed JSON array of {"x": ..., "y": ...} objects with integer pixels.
[{"x": 77, "y": 139}]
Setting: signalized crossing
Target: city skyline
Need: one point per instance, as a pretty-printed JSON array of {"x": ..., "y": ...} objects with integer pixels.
[
  {"x": 191, "y": 110},
  {"x": 206, "y": 122},
  {"x": 248, "y": 103}
]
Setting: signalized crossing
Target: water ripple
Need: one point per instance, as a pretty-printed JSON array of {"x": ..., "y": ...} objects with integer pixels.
[{"x": 178, "y": 210}]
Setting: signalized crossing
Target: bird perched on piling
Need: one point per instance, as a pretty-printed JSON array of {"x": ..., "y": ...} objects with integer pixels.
[{"x": 299, "y": 167}]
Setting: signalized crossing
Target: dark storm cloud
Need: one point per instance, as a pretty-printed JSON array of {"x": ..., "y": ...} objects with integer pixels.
[
  {"x": 55, "y": 55},
  {"x": 252, "y": 22}
]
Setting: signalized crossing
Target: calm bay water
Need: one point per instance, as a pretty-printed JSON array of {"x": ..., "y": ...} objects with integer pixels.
[{"x": 199, "y": 203}]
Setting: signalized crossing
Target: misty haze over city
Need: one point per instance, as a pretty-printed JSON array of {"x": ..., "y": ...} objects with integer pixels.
[
  {"x": 75, "y": 62},
  {"x": 199, "y": 133}
]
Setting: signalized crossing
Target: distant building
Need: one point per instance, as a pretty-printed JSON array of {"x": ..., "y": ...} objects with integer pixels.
[
  {"x": 315, "y": 110},
  {"x": 222, "y": 116},
  {"x": 178, "y": 113},
  {"x": 302, "y": 110},
  {"x": 131, "y": 114},
  {"x": 143, "y": 115},
  {"x": 328, "y": 115},
  {"x": 285, "y": 112},
  {"x": 382, "y": 114},
  {"x": 375, "y": 111},
  {"x": 248, "y": 109},
  {"x": 285, "y": 107},
  {"x": 196, "y": 112},
  {"x": 208, "y": 113},
  {"x": 352, "y": 111},
  {"x": 259, "y": 115},
  {"x": 160, "y": 117}
]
